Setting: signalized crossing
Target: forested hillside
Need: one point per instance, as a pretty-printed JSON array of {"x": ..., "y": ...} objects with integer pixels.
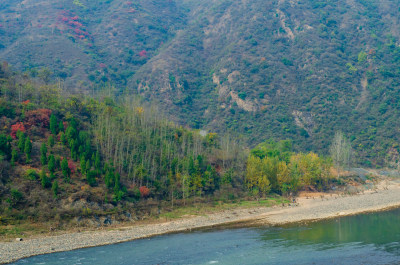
[
  {"x": 298, "y": 70},
  {"x": 65, "y": 156}
]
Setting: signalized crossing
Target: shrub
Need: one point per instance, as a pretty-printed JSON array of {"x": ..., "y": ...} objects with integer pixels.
[
  {"x": 144, "y": 191},
  {"x": 31, "y": 174}
]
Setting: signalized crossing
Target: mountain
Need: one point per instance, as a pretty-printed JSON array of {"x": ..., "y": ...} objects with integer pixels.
[{"x": 298, "y": 70}]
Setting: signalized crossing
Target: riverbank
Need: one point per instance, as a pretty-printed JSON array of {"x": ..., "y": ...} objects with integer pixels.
[{"x": 313, "y": 206}]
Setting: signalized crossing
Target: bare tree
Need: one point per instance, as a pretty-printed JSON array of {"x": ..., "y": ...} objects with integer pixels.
[{"x": 341, "y": 152}]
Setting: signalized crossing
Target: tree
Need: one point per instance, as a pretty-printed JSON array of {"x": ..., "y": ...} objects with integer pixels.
[
  {"x": 97, "y": 162},
  {"x": 65, "y": 169},
  {"x": 341, "y": 152},
  {"x": 53, "y": 124},
  {"x": 45, "y": 74},
  {"x": 50, "y": 141},
  {"x": 44, "y": 179},
  {"x": 21, "y": 140},
  {"x": 28, "y": 149},
  {"x": 62, "y": 138},
  {"x": 14, "y": 156},
  {"x": 43, "y": 154},
  {"x": 61, "y": 126},
  {"x": 88, "y": 166},
  {"x": 83, "y": 164},
  {"x": 16, "y": 128},
  {"x": 91, "y": 178},
  {"x": 5, "y": 145},
  {"x": 52, "y": 164},
  {"x": 54, "y": 188}
]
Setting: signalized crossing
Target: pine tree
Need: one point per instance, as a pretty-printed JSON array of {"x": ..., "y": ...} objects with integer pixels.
[
  {"x": 62, "y": 138},
  {"x": 50, "y": 141},
  {"x": 83, "y": 164},
  {"x": 53, "y": 124},
  {"x": 28, "y": 149},
  {"x": 14, "y": 157},
  {"x": 54, "y": 188},
  {"x": 52, "y": 164},
  {"x": 88, "y": 166},
  {"x": 61, "y": 127},
  {"x": 21, "y": 140},
  {"x": 43, "y": 154},
  {"x": 91, "y": 178},
  {"x": 44, "y": 179}
]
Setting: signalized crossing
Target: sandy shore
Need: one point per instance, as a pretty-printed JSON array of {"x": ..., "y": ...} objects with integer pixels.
[{"x": 313, "y": 207}]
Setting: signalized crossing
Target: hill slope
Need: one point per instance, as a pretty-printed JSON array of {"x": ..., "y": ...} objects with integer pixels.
[{"x": 280, "y": 69}]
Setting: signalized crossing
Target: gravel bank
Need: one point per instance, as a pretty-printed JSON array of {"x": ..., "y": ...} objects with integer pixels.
[{"x": 387, "y": 196}]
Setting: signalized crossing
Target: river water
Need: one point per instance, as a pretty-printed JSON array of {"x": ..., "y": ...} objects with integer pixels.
[{"x": 363, "y": 239}]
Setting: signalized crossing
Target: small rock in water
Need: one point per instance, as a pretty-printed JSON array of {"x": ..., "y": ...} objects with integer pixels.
[{"x": 18, "y": 239}]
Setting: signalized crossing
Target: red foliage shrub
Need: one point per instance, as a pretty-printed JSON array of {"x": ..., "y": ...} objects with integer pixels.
[
  {"x": 72, "y": 166},
  {"x": 144, "y": 191},
  {"x": 26, "y": 102},
  {"x": 75, "y": 18},
  {"x": 64, "y": 19},
  {"x": 19, "y": 126},
  {"x": 39, "y": 118},
  {"x": 143, "y": 53}
]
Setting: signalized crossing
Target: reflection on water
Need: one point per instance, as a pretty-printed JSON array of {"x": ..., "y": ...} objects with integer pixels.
[
  {"x": 363, "y": 239},
  {"x": 379, "y": 229}
]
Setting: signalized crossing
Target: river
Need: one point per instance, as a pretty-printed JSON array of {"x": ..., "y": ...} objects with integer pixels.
[{"x": 362, "y": 239}]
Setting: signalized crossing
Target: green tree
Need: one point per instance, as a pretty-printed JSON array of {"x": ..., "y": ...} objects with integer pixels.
[
  {"x": 51, "y": 141},
  {"x": 43, "y": 154},
  {"x": 53, "y": 124},
  {"x": 62, "y": 138},
  {"x": 28, "y": 149},
  {"x": 88, "y": 166},
  {"x": 65, "y": 169},
  {"x": 91, "y": 178},
  {"x": 83, "y": 164},
  {"x": 97, "y": 162},
  {"x": 52, "y": 164},
  {"x": 61, "y": 126},
  {"x": 44, "y": 179},
  {"x": 54, "y": 188},
  {"x": 21, "y": 140},
  {"x": 14, "y": 157}
]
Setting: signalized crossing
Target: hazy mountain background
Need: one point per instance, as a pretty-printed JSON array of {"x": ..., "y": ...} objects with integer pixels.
[{"x": 259, "y": 69}]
